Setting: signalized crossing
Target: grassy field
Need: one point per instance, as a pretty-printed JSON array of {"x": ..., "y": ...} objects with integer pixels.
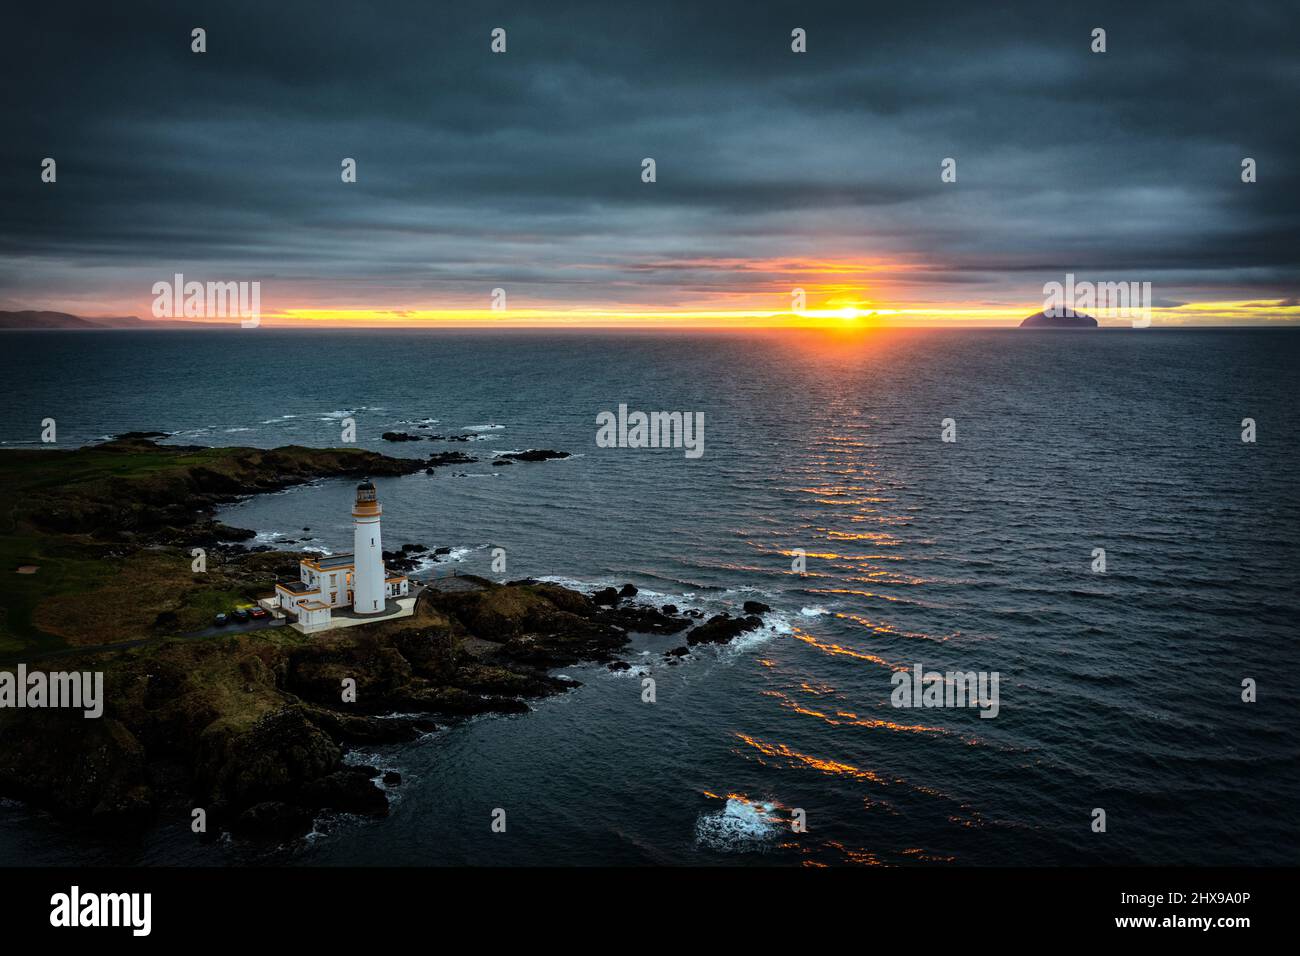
[{"x": 93, "y": 584}]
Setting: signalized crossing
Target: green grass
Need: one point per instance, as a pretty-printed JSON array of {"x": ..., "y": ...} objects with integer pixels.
[
  {"x": 128, "y": 595},
  {"x": 201, "y": 606},
  {"x": 64, "y": 568}
]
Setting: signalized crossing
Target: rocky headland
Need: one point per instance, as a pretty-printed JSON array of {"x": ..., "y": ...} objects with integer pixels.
[{"x": 252, "y": 727}]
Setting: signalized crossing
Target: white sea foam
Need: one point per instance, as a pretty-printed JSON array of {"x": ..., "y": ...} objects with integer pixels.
[
  {"x": 739, "y": 827},
  {"x": 482, "y": 428}
]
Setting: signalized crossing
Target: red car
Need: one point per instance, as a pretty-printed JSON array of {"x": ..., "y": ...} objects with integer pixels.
[{"x": 257, "y": 613}]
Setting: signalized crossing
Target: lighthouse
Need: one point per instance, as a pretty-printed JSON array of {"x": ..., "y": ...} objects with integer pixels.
[{"x": 368, "y": 554}]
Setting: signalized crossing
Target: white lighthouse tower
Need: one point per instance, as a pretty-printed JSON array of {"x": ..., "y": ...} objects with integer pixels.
[{"x": 368, "y": 554}]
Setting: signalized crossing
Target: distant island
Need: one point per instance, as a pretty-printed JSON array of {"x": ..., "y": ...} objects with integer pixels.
[
  {"x": 37, "y": 320},
  {"x": 1044, "y": 320}
]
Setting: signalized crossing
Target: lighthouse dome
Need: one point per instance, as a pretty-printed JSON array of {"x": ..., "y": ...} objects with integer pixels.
[{"x": 366, "y": 494}]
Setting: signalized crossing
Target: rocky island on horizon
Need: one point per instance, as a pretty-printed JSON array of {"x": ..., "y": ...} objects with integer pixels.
[{"x": 1066, "y": 319}]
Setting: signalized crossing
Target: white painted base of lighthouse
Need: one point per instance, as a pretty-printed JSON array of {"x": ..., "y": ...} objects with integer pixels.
[{"x": 368, "y": 572}]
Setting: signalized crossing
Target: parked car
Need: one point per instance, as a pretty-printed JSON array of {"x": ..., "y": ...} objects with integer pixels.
[
  {"x": 240, "y": 615},
  {"x": 258, "y": 613},
  {"x": 220, "y": 619}
]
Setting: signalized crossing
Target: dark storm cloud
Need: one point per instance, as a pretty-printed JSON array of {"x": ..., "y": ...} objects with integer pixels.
[{"x": 523, "y": 169}]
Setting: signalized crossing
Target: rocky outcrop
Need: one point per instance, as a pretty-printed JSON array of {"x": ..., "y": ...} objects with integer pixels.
[
  {"x": 135, "y": 489},
  {"x": 722, "y": 628},
  {"x": 258, "y": 724},
  {"x": 534, "y": 454},
  {"x": 1046, "y": 320}
]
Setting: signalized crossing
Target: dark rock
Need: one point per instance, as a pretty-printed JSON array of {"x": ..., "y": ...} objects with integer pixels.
[
  {"x": 756, "y": 607},
  {"x": 392, "y": 778},
  {"x": 627, "y": 591},
  {"x": 133, "y": 435},
  {"x": 450, "y": 458},
  {"x": 606, "y": 596},
  {"x": 644, "y": 620},
  {"x": 273, "y": 819},
  {"x": 670, "y": 609},
  {"x": 619, "y": 666},
  {"x": 678, "y": 652},
  {"x": 400, "y": 436},
  {"x": 535, "y": 454},
  {"x": 722, "y": 628},
  {"x": 349, "y": 789}
]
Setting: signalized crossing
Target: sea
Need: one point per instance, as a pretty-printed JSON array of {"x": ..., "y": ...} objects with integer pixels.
[{"x": 1097, "y": 535}]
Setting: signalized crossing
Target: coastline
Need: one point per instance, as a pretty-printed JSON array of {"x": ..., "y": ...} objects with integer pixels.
[{"x": 252, "y": 728}]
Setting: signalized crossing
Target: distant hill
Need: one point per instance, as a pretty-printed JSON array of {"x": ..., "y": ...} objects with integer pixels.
[
  {"x": 1041, "y": 320},
  {"x": 62, "y": 320}
]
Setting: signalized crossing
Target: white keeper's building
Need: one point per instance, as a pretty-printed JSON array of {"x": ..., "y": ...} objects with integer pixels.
[{"x": 356, "y": 582}]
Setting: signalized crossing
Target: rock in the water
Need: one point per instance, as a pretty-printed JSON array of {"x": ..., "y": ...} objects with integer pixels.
[
  {"x": 644, "y": 620},
  {"x": 273, "y": 818},
  {"x": 756, "y": 607},
  {"x": 1045, "y": 320},
  {"x": 606, "y": 596},
  {"x": 450, "y": 458},
  {"x": 627, "y": 591},
  {"x": 349, "y": 789},
  {"x": 535, "y": 454},
  {"x": 722, "y": 628}
]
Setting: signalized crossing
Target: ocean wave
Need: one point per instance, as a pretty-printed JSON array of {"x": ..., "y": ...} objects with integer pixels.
[
  {"x": 482, "y": 428},
  {"x": 741, "y": 826}
]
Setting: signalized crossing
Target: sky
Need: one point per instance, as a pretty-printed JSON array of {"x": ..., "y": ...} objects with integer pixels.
[{"x": 774, "y": 170}]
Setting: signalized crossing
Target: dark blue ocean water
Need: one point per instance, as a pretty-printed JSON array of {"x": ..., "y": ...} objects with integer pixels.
[{"x": 1118, "y": 690}]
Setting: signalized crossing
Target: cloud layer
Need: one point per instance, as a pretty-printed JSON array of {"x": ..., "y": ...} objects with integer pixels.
[{"x": 522, "y": 170}]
